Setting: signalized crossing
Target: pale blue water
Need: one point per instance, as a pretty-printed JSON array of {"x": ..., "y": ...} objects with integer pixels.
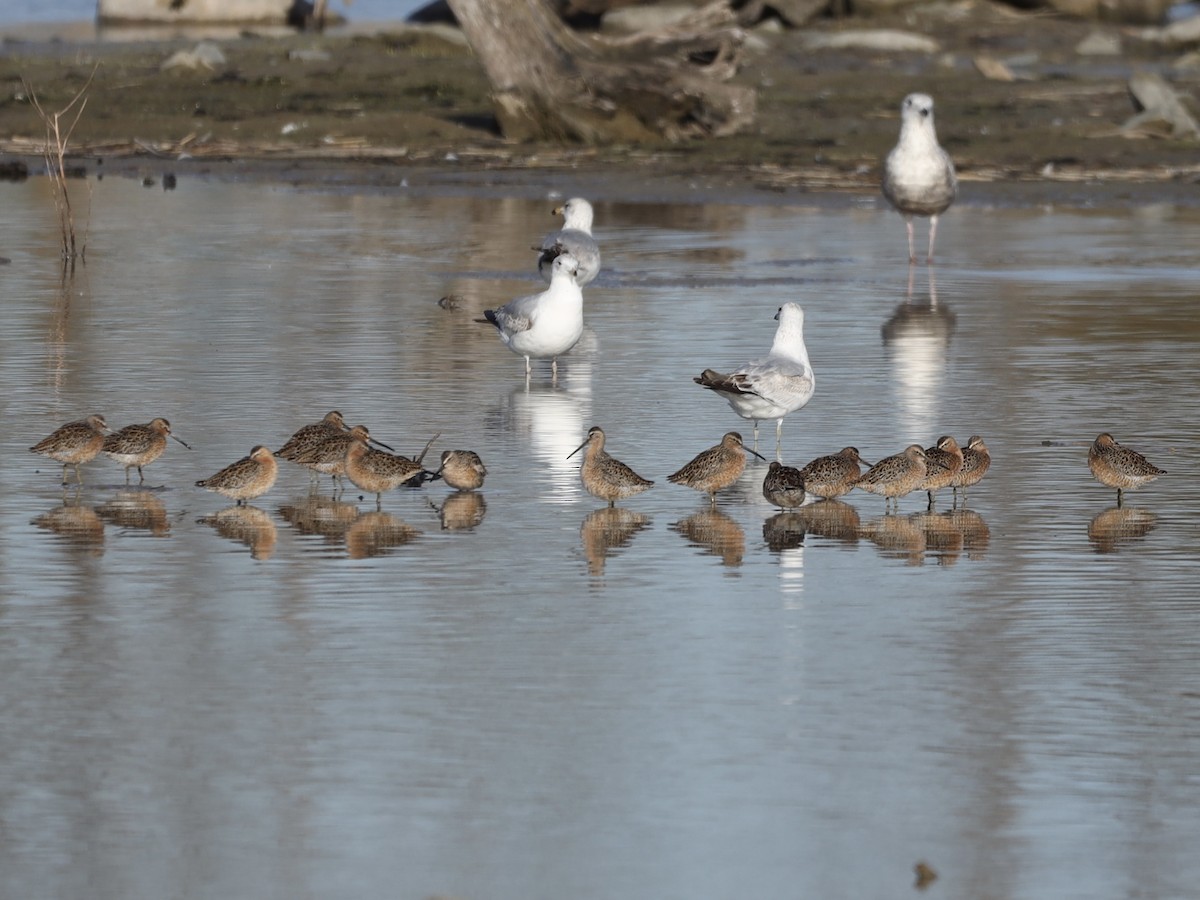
[{"x": 322, "y": 701}]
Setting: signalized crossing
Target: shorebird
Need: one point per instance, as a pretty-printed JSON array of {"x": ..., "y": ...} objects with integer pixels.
[
  {"x": 895, "y": 476},
  {"x": 834, "y": 475},
  {"x": 374, "y": 471},
  {"x": 546, "y": 324},
  {"x": 604, "y": 476},
  {"x": 944, "y": 460},
  {"x": 328, "y": 455},
  {"x": 1119, "y": 467},
  {"x": 139, "y": 445},
  {"x": 249, "y": 477},
  {"x": 772, "y": 387},
  {"x": 716, "y": 468},
  {"x": 463, "y": 470},
  {"x": 976, "y": 461},
  {"x": 310, "y": 436},
  {"x": 574, "y": 238},
  {"x": 918, "y": 175},
  {"x": 74, "y": 443},
  {"x": 783, "y": 486}
]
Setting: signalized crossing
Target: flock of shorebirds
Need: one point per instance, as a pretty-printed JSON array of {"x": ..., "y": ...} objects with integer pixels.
[{"x": 918, "y": 180}]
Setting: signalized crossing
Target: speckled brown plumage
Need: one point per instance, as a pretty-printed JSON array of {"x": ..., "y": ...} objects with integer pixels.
[
  {"x": 605, "y": 476},
  {"x": 249, "y": 477},
  {"x": 74, "y": 443},
  {"x": 834, "y": 475},
  {"x": 1119, "y": 467}
]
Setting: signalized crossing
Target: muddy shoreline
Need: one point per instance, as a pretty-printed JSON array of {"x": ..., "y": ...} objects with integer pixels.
[{"x": 399, "y": 108}]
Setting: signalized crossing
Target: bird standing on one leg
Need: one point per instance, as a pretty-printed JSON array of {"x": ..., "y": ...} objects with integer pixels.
[
  {"x": 918, "y": 175},
  {"x": 1119, "y": 467}
]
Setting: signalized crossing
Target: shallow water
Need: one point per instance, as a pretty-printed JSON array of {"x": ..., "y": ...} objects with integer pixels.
[{"x": 528, "y": 695}]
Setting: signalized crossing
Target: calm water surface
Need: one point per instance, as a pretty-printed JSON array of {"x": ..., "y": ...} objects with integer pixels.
[{"x": 526, "y": 695}]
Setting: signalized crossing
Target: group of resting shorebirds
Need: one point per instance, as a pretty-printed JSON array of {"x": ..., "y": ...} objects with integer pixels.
[{"x": 918, "y": 180}]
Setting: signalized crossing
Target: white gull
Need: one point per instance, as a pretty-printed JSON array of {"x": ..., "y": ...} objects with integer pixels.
[
  {"x": 544, "y": 325},
  {"x": 918, "y": 176},
  {"x": 575, "y": 238}
]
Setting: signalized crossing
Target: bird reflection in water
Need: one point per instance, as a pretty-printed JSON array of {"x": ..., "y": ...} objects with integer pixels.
[
  {"x": 897, "y": 537},
  {"x": 1119, "y": 525},
  {"x": 136, "y": 510},
  {"x": 248, "y": 525},
  {"x": 716, "y": 533},
  {"x": 76, "y": 524},
  {"x": 831, "y": 519},
  {"x": 461, "y": 511},
  {"x": 376, "y": 533},
  {"x": 943, "y": 537},
  {"x": 784, "y": 531},
  {"x": 607, "y": 529},
  {"x": 918, "y": 336},
  {"x": 317, "y": 516}
]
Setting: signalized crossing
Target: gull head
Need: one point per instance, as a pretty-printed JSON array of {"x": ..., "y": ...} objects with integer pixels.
[
  {"x": 565, "y": 264},
  {"x": 577, "y": 214},
  {"x": 916, "y": 108},
  {"x": 790, "y": 314}
]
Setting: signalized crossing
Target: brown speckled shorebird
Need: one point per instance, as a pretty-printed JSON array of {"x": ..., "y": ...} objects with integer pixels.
[
  {"x": 327, "y": 456},
  {"x": 834, "y": 475},
  {"x": 715, "y": 468},
  {"x": 895, "y": 476},
  {"x": 74, "y": 443},
  {"x": 1119, "y": 467},
  {"x": 249, "y": 477},
  {"x": 604, "y": 476},
  {"x": 783, "y": 486},
  {"x": 943, "y": 461},
  {"x": 310, "y": 436},
  {"x": 976, "y": 461},
  {"x": 463, "y": 470},
  {"x": 374, "y": 471},
  {"x": 139, "y": 445}
]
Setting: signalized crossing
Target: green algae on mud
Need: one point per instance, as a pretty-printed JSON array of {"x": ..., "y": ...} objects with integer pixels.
[{"x": 401, "y": 97}]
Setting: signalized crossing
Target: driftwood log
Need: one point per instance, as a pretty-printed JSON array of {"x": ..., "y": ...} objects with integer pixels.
[{"x": 550, "y": 83}]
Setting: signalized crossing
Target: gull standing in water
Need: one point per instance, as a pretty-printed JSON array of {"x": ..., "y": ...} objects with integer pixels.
[
  {"x": 546, "y": 324},
  {"x": 918, "y": 176},
  {"x": 770, "y": 388},
  {"x": 574, "y": 238}
]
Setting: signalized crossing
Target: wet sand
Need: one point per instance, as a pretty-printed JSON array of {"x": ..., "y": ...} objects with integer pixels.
[{"x": 403, "y": 108}]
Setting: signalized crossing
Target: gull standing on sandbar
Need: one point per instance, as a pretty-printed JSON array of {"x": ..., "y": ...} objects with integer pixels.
[
  {"x": 546, "y": 324},
  {"x": 770, "y": 388},
  {"x": 574, "y": 238},
  {"x": 918, "y": 176}
]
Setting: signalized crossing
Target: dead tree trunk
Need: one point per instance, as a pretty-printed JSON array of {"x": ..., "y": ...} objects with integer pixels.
[{"x": 548, "y": 83}]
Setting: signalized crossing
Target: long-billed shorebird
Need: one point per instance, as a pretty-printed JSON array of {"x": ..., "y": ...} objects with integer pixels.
[
  {"x": 545, "y": 325},
  {"x": 463, "y": 470},
  {"x": 716, "y": 468},
  {"x": 976, "y": 461},
  {"x": 310, "y": 436},
  {"x": 74, "y": 443},
  {"x": 375, "y": 471},
  {"x": 135, "y": 446},
  {"x": 1119, "y": 467},
  {"x": 605, "y": 476},
  {"x": 249, "y": 477},
  {"x": 574, "y": 238},
  {"x": 833, "y": 475},
  {"x": 327, "y": 456},
  {"x": 918, "y": 175},
  {"x": 783, "y": 486},
  {"x": 774, "y": 386},
  {"x": 895, "y": 476},
  {"x": 944, "y": 460}
]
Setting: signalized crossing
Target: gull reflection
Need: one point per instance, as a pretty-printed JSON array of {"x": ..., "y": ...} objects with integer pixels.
[
  {"x": 606, "y": 530},
  {"x": 76, "y": 524},
  {"x": 248, "y": 525},
  {"x": 1119, "y": 525},
  {"x": 318, "y": 516},
  {"x": 716, "y": 533},
  {"x": 553, "y": 419},
  {"x": 918, "y": 336},
  {"x": 136, "y": 509},
  {"x": 376, "y": 533},
  {"x": 461, "y": 511}
]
